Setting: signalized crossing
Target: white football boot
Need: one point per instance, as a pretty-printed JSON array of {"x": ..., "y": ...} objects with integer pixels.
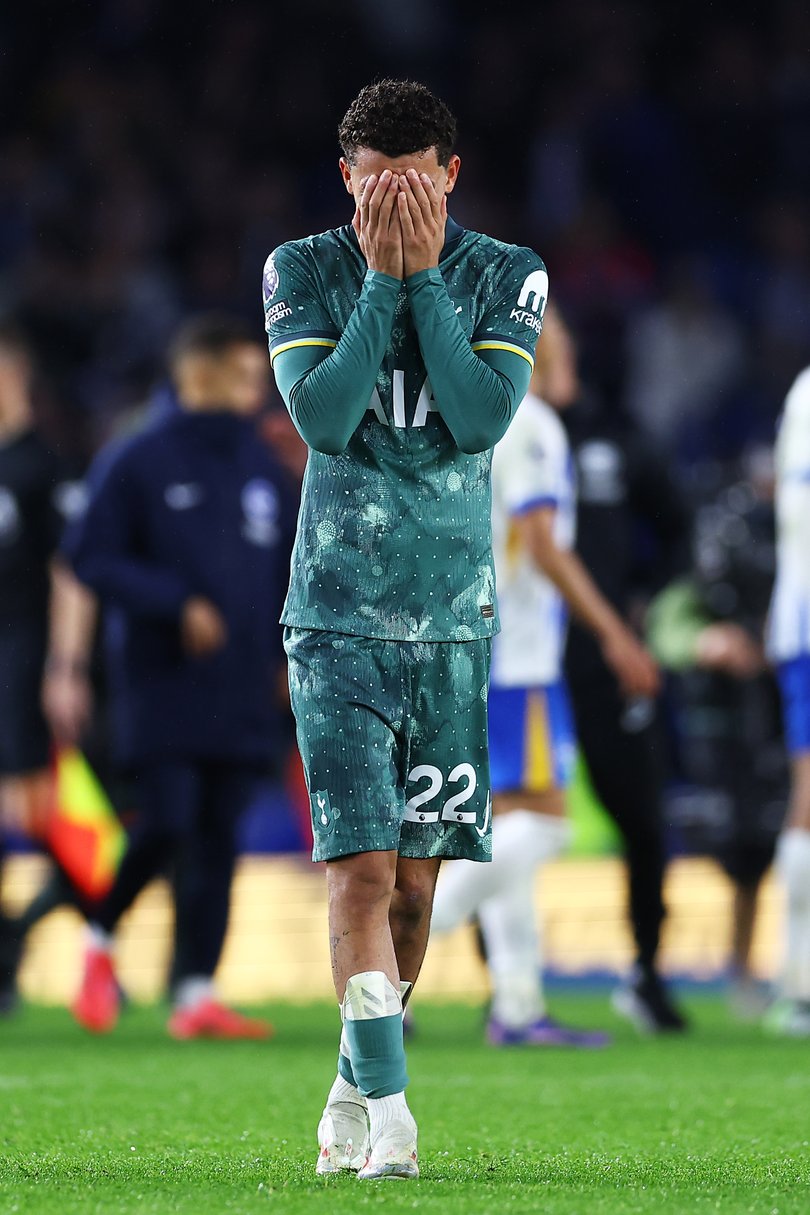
[
  {"x": 392, "y": 1155},
  {"x": 788, "y": 1019},
  {"x": 342, "y": 1136}
]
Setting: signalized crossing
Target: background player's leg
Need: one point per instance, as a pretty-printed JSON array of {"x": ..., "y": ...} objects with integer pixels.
[
  {"x": 531, "y": 748},
  {"x": 166, "y": 795},
  {"x": 511, "y": 933},
  {"x": 523, "y": 837},
  {"x": 204, "y": 876},
  {"x": 623, "y": 772},
  {"x": 742, "y": 925},
  {"x": 502, "y": 893},
  {"x": 792, "y": 1014},
  {"x": 9, "y": 952},
  {"x": 27, "y": 801},
  {"x": 748, "y": 999},
  {"x": 204, "y": 873},
  {"x": 620, "y": 751}
]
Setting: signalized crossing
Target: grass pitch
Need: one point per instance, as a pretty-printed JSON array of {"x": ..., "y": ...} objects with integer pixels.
[{"x": 136, "y": 1124}]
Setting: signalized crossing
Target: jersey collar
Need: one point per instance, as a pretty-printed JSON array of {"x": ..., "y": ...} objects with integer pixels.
[{"x": 453, "y": 233}]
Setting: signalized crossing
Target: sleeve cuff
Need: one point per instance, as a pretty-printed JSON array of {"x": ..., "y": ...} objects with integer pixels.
[
  {"x": 432, "y": 275},
  {"x": 373, "y": 277}
]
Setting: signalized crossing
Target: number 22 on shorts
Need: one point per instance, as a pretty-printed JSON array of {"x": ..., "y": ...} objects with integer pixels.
[{"x": 416, "y": 809}]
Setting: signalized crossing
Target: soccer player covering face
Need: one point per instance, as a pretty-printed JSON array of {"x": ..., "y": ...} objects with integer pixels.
[{"x": 402, "y": 345}]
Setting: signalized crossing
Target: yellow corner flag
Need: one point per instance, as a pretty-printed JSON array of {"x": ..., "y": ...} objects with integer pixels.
[{"x": 85, "y": 834}]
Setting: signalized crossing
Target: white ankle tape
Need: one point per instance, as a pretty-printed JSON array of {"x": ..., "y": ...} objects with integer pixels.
[{"x": 369, "y": 995}]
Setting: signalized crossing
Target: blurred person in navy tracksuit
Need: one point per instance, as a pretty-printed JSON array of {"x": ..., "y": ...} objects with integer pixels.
[
  {"x": 35, "y": 499},
  {"x": 186, "y": 542}
]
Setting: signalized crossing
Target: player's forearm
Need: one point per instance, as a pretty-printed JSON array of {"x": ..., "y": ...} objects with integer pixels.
[
  {"x": 327, "y": 396},
  {"x": 585, "y": 600},
  {"x": 793, "y": 514},
  {"x": 476, "y": 401},
  {"x": 138, "y": 586},
  {"x": 73, "y": 614}
]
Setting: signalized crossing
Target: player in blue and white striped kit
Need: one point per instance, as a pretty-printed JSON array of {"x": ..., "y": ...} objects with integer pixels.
[
  {"x": 531, "y": 734},
  {"x": 789, "y": 648}
]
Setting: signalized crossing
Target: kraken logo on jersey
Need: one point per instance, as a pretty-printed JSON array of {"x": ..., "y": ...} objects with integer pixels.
[{"x": 534, "y": 291}]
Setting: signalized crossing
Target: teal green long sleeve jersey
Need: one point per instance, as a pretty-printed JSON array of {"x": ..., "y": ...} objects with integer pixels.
[{"x": 400, "y": 390}]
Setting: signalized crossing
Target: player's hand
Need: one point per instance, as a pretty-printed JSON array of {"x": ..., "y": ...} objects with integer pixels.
[
  {"x": 632, "y": 664},
  {"x": 67, "y": 702},
  {"x": 202, "y": 627},
  {"x": 423, "y": 216},
  {"x": 28, "y": 804},
  {"x": 376, "y": 222},
  {"x": 729, "y": 648}
]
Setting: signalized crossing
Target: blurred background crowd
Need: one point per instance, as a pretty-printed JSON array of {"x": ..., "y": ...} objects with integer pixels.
[{"x": 657, "y": 156}]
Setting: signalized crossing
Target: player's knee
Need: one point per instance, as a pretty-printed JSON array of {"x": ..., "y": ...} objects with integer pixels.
[
  {"x": 412, "y": 900},
  {"x": 364, "y": 879}
]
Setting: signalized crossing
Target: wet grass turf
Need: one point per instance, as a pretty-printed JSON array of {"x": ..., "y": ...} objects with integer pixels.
[{"x": 135, "y": 1123}]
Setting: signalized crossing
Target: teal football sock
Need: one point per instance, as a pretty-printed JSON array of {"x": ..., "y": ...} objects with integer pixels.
[{"x": 372, "y": 1019}]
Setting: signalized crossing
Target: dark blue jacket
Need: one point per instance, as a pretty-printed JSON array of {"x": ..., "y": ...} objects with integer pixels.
[{"x": 194, "y": 505}]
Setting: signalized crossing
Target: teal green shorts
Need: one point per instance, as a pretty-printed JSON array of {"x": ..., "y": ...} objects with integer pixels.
[{"x": 393, "y": 737}]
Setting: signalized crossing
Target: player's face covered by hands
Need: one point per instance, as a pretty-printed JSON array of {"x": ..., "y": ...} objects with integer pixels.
[{"x": 401, "y": 208}]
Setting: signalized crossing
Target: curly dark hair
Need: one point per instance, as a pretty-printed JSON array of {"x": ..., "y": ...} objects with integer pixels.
[{"x": 396, "y": 117}]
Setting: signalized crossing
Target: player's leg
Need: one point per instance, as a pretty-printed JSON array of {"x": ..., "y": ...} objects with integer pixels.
[
  {"x": 359, "y": 891},
  {"x": 166, "y": 794},
  {"x": 26, "y": 783},
  {"x": 202, "y": 891},
  {"x": 531, "y": 755},
  {"x": 9, "y": 949},
  {"x": 513, "y": 940},
  {"x": 409, "y": 915},
  {"x": 346, "y": 694},
  {"x": 619, "y": 744},
  {"x": 529, "y": 829},
  {"x": 748, "y": 997},
  {"x": 791, "y": 1014},
  {"x": 528, "y": 824},
  {"x": 366, "y": 977},
  {"x": 745, "y": 855}
]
